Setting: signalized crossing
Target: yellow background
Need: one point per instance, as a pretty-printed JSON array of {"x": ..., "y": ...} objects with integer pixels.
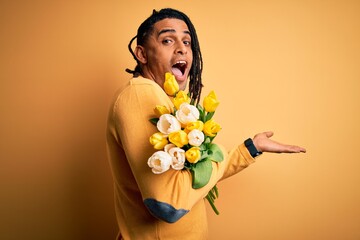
[{"x": 287, "y": 66}]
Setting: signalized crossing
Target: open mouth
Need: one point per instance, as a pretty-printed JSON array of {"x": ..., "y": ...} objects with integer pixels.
[{"x": 178, "y": 69}]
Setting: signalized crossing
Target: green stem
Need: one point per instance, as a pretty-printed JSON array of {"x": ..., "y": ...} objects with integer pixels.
[
  {"x": 211, "y": 194},
  {"x": 216, "y": 190},
  {"x": 212, "y": 204}
]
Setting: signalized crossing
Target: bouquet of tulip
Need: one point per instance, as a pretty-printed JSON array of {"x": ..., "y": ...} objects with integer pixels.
[{"x": 185, "y": 137}]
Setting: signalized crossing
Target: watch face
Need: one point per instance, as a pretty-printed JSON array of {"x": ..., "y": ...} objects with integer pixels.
[
  {"x": 248, "y": 142},
  {"x": 251, "y": 148}
]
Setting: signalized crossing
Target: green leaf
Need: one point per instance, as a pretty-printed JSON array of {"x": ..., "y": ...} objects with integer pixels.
[
  {"x": 209, "y": 116},
  {"x": 216, "y": 153},
  {"x": 201, "y": 111},
  {"x": 201, "y": 173},
  {"x": 154, "y": 120},
  {"x": 204, "y": 154},
  {"x": 202, "y": 147}
]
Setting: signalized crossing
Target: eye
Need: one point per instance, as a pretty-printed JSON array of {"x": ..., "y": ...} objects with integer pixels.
[
  {"x": 167, "y": 41},
  {"x": 187, "y": 42}
]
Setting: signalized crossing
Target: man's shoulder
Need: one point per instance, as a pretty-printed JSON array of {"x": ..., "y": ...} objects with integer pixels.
[
  {"x": 142, "y": 81},
  {"x": 139, "y": 88},
  {"x": 139, "y": 83}
]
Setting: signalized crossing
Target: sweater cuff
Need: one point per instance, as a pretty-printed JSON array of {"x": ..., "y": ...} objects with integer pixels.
[
  {"x": 246, "y": 154},
  {"x": 239, "y": 159}
]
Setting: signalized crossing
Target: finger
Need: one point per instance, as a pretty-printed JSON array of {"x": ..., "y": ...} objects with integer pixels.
[
  {"x": 303, "y": 150},
  {"x": 294, "y": 149},
  {"x": 299, "y": 149}
]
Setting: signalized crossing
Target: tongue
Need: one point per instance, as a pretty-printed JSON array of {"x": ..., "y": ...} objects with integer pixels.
[{"x": 176, "y": 71}]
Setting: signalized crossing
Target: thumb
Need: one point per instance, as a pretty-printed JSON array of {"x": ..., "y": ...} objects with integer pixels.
[{"x": 269, "y": 134}]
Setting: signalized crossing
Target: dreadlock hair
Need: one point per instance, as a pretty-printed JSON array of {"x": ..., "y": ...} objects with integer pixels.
[{"x": 145, "y": 30}]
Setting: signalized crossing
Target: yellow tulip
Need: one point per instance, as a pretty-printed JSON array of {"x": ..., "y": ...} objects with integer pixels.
[
  {"x": 179, "y": 138},
  {"x": 211, "y": 128},
  {"x": 180, "y": 98},
  {"x": 160, "y": 110},
  {"x": 158, "y": 140},
  {"x": 199, "y": 125},
  {"x": 211, "y": 102},
  {"x": 193, "y": 155},
  {"x": 171, "y": 86}
]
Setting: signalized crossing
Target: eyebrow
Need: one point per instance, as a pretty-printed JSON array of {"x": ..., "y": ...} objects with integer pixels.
[{"x": 166, "y": 30}]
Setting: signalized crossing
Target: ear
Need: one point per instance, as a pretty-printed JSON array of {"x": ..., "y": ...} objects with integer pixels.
[{"x": 140, "y": 54}]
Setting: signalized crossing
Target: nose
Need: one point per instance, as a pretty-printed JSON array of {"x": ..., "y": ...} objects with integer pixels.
[{"x": 181, "y": 48}]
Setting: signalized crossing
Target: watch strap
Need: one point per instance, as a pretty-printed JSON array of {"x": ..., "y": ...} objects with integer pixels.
[{"x": 249, "y": 144}]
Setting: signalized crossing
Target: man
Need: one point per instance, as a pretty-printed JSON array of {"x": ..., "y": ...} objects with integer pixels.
[{"x": 164, "y": 206}]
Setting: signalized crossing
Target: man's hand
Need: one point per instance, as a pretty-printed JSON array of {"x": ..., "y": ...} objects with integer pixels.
[{"x": 263, "y": 143}]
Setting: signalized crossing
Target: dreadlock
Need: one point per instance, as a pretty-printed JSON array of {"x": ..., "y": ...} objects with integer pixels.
[{"x": 145, "y": 30}]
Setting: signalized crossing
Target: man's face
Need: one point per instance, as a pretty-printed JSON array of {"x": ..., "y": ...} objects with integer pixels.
[{"x": 168, "y": 49}]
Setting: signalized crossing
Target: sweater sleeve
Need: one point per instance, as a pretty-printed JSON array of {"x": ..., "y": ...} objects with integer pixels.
[{"x": 168, "y": 196}]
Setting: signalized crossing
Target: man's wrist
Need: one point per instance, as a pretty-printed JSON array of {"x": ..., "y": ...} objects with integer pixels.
[{"x": 249, "y": 144}]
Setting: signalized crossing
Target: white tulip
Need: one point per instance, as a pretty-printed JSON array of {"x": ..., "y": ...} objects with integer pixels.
[
  {"x": 178, "y": 158},
  {"x": 196, "y": 137},
  {"x": 168, "y": 123},
  {"x": 187, "y": 113},
  {"x": 168, "y": 147},
  {"x": 160, "y": 162}
]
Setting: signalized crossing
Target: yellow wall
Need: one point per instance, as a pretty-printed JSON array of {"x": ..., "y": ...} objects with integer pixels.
[{"x": 287, "y": 66}]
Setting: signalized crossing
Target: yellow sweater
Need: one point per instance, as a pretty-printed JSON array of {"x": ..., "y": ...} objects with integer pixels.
[{"x": 148, "y": 205}]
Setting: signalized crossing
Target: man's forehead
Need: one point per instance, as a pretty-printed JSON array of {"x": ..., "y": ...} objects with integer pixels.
[{"x": 170, "y": 25}]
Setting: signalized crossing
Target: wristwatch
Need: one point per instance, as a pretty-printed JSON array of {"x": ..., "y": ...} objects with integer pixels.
[{"x": 249, "y": 144}]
